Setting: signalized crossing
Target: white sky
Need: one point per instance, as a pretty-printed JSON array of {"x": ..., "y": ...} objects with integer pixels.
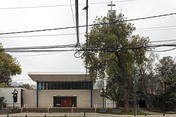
[{"x": 21, "y": 19}]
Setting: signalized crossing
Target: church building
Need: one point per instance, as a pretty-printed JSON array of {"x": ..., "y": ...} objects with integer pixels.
[{"x": 62, "y": 90}]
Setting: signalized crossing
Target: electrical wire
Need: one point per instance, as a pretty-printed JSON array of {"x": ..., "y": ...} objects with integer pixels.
[
  {"x": 52, "y": 29},
  {"x": 72, "y": 13},
  {"x": 36, "y": 55},
  {"x": 43, "y": 47},
  {"x": 154, "y": 29},
  {"x": 165, "y": 50},
  {"x": 163, "y": 40},
  {"x": 50, "y": 35},
  {"x": 51, "y": 6},
  {"x": 25, "y": 49},
  {"x": 138, "y": 29},
  {"x": 42, "y": 30},
  {"x": 94, "y": 49},
  {"x": 64, "y": 46},
  {"x": 37, "y": 50},
  {"x": 154, "y": 16},
  {"x": 160, "y": 27},
  {"x": 66, "y": 34}
]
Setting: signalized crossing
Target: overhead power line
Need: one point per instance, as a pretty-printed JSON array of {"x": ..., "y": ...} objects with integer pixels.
[
  {"x": 38, "y": 50},
  {"x": 92, "y": 49},
  {"x": 72, "y": 13},
  {"x": 70, "y": 46},
  {"x": 42, "y": 30},
  {"x": 165, "y": 50},
  {"x": 163, "y": 40},
  {"x": 67, "y": 34},
  {"x": 52, "y": 29},
  {"x": 48, "y": 35},
  {"x": 42, "y": 47},
  {"x": 36, "y": 54},
  {"x": 160, "y": 27},
  {"x": 154, "y": 16},
  {"x": 52, "y": 6}
]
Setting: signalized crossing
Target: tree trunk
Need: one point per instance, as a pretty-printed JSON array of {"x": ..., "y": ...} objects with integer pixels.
[
  {"x": 117, "y": 105},
  {"x": 126, "y": 100},
  {"x": 125, "y": 88},
  {"x": 126, "y": 95}
]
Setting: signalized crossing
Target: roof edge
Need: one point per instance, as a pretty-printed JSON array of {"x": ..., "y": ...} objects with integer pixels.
[{"x": 57, "y": 73}]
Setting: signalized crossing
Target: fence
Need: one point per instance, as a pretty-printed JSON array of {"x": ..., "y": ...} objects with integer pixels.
[
  {"x": 11, "y": 105},
  {"x": 113, "y": 105},
  {"x": 106, "y": 105}
]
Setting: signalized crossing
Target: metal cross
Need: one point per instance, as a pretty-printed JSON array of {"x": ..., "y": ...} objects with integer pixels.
[{"x": 111, "y": 5}]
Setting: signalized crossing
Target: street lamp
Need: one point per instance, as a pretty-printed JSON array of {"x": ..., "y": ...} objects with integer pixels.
[
  {"x": 14, "y": 95},
  {"x": 102, "y": 91},
  {"x": 134, "y": 94}
]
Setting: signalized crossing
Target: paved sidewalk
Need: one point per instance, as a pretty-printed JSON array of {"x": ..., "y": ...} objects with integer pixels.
[
  {"x": 82, "y": 114},
  {"x": 146, "y": 111}
]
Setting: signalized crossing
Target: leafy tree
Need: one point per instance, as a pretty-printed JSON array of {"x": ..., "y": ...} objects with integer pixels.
[
  {"x": 100, "y": 83},
  {"x": 167, "y": 73},
  {"x": 114, "y": 94},
  {"x": 9, "y": 66},
  {"x": 3, "y": 85},
  {"x": 27, "y": 86},
  {"x": 147, "y": 80},
  {"x": 164, "y": 68},
  {"x": 2, "y": 99},
  {"x": 2, "y": 102},
  {"x": 109, "y": 43},
  {"x": 156, "y": 82}
]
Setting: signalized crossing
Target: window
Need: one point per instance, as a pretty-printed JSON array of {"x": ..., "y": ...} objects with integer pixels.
[
  {"x": 83, "y": 85},
  {"x": 46, "y": 85},
  {"x": 39, "y": 85},
  {"x": 56, "y": 85},
  {"x": 64, "y": 85},
  {"x": 87, "y": 85},
  {"x": 49, "y": 85},
  {"x": 68, "y": 84},
  {"x": 75, "y": 85},
  {"x": 59, "y": 85},
  {"x": 79, "y": 85}
]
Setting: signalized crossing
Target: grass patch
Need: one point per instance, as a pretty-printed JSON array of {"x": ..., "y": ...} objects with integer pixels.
[
  {"x": 130, "y": 113},
  {"x": 138, "y": 113},
  {"x": 51, "y": 116}
]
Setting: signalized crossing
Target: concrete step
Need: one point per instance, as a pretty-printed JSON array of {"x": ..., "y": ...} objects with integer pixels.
[{"x": 58, "y": 110}]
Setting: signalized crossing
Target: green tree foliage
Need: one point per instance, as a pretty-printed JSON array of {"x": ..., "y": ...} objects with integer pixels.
[
  {"x": 100, "y": 83},
  {"x": 114, "y": 94},
  {"x": 147, "y": 80},
  {"x": 9, "y": 66},
  {"x": 26, "y": 86},
  {"x": 118, "y": 63},
  {"x": 167, "y": 73},
  {"x": 2, "y": 102},
  {"x": 156, "y": 82},
  {"x": 3, "y": 84}
]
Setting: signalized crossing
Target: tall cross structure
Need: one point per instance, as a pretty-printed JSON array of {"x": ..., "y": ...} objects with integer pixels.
[
  {"x": 111, "y": 12},
  {"x": 111, "y": 5}
]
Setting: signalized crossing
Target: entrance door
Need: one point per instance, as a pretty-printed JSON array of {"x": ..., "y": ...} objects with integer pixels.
[
  {"x": 66, "y": 101},
  {"x": 57, "y": 101}
]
